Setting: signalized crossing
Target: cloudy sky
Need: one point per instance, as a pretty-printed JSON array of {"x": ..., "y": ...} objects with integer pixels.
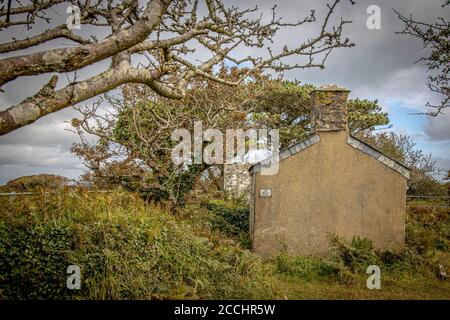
[{"x": 381, "y": 66}]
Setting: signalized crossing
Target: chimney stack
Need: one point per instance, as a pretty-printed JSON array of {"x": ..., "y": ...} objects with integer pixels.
[{"x": 329, "y": 111}]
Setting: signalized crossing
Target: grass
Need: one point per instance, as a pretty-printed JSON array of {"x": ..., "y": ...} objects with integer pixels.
[
  {"x": 343, "y": 285},
  {"x": 127, "y": 249}
]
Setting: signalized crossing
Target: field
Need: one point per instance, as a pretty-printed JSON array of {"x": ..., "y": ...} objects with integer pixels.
[{"x": 127, "y": 249}]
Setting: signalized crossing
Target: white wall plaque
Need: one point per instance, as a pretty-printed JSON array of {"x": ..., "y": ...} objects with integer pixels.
[{"x": 265, "y": 193}]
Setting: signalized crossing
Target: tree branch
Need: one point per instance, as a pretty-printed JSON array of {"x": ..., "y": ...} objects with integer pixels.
[
  {"x": 47, "y": 100},
  {"x": 58, "y": 32},
  {"x": 70, "y": 59}
]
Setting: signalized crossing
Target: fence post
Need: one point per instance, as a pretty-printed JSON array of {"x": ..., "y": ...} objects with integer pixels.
[{"x": 448, "y": 196}]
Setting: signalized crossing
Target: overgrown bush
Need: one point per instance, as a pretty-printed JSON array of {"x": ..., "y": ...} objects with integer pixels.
[
  {"x": 232, "y": 218},
  {"x": 124, "y": 248},
  {"x": 355, "y": 255},
  {"x": 428, "y": 230},
  {"x": 33, "y": 260}
]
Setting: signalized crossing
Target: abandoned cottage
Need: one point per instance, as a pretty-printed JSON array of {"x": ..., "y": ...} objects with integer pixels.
[{"x": 330, "y": 183}]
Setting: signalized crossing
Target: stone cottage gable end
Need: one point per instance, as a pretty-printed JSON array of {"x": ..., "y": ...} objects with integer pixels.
[{"x": 330, "y": 183}]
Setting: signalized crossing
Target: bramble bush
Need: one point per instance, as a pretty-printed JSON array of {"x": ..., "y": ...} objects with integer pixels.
[
  {"x": 33, "y": 261},
  {"x": 232, "y": 218}
]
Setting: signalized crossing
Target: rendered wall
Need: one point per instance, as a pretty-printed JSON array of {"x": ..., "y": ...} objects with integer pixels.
[{"x": 330, "y": 187}]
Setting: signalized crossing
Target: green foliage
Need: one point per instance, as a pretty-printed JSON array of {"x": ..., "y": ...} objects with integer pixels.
[
  {"x": 232, "y": 218},
  {"x": 306, "y": 268},
  {"x": 33, "y": 261},
  {"x": 282, "y": 104},
  {"x": 124, "y": 248},
  {"x": 365, "y": 115},
  {"x": 286, "y": 105},
  {"x": 128, "y": 249},
  {"x": 162, "y": 180},
  {"x": 428, "y": 230},
  {"x": 355, "y": 256}
]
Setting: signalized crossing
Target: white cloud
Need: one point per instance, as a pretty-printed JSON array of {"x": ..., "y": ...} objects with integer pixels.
[
  {"x": 438, "y": 128},
  {"x": 38, "y": 156}
]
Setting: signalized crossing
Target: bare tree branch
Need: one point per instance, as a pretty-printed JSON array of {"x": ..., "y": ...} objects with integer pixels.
[
  {"x": 74, "y": 58},
  {"x": 436, "y": 37},
  {"x": 165, "y": 33},
  {"x": 58, "y": 32}
]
